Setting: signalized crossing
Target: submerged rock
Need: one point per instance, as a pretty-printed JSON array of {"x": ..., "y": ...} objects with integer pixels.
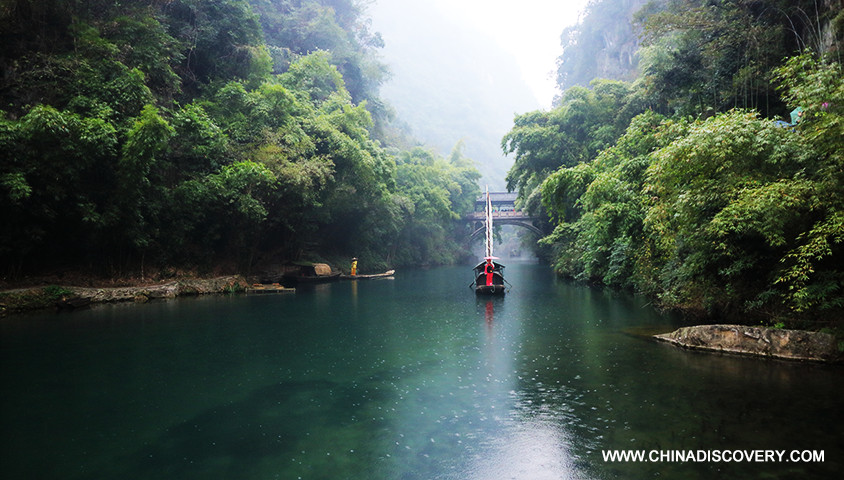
[{"x": 760, "y": 341}]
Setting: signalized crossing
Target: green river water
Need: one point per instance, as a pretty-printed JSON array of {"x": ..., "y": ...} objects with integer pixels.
[{"x": 405, "y": 378}]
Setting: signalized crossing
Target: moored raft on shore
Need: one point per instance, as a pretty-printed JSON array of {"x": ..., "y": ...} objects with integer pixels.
[
  {"x": 73, "y": 302},
  {"x": 271, "y": 288}
]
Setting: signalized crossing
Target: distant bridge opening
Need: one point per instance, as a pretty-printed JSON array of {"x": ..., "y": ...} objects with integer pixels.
[{"x": 504, "y": 212}]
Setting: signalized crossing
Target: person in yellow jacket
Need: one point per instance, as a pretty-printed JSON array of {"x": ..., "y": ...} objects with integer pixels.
[{"x": 354, "y": 266}]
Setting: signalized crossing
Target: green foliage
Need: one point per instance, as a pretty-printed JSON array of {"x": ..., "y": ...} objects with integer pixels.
[
  {"x": 221, "y": 41},
  {"x": 137, "y": 178},
  {"x": 51, "y": 177},
  {"x": 298, "y": 28},
  {"x": 242, "y": 191},
  {"x": 724, "y": 198},
  {"x": 145, "y": 142},
  {"x": 733, "y": 214},
  {"x": 145, "y": 44},
  {"x": 55, "y": 292},
  {"x": 702, "y": 56},
  {"x": 812, "y": 273},
  {"x": 32, "y": 299},
  {"x": 600, "y": 206},
  {"x": 585, "y": 122},
  {"x": 198, "y": 144},
  {"x": 429, "y": 187},
  {"x": 16, "y": 186},
  {"x": 153, "y": 133},
  {"x": 316, "y": 78}
]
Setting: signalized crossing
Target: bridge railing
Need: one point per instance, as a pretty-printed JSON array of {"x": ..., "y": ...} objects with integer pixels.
[{"x": 499, "y": 214}]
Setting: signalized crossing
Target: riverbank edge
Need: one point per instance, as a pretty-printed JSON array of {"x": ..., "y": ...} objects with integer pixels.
[
  {"x": 38, "y": 298},
  {"x": 797, "y": 345}
]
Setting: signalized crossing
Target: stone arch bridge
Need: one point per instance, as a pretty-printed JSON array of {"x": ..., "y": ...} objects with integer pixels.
[{"x": 504, "y": 212}]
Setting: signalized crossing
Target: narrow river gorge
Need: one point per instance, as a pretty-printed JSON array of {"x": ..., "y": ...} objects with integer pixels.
[{"x": 405, "y": 378}]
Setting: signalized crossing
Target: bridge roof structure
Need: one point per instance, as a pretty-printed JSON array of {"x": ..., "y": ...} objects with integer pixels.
[
  {"x": 504, "y": 212},
  {"x": 498, "y": 197}
]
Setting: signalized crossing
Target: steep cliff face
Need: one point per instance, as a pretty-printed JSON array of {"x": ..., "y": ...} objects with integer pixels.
[
  {"x": 605, "y": 43},
  {"x": 617, "y": 59},
  {"x": 817, "y": 25},
  {"x": 832, "y": 27},
  {"x": 602, "y": 45}
]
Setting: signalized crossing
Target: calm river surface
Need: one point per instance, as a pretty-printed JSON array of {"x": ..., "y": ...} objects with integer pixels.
[{"x": 411, "y": 378}]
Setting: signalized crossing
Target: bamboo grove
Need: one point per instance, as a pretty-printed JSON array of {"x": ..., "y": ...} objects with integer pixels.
[
  {"x": 692, "y": 183},
  {"x": 205, "y": 133}
]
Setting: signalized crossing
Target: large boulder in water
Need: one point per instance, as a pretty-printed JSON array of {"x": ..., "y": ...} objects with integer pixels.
[{"x": 761, "y": 341}]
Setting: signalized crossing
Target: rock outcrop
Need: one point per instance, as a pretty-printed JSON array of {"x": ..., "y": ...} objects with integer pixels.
[
  {"x": 167, "y": 290},
  {"x": 760, "y": 341},
  {"x": 74, "y": 297}
]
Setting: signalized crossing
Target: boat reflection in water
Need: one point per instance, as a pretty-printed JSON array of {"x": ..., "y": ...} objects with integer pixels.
[
  {"x": 534, "y": 448},
  {"x": 524, "y": 439}
]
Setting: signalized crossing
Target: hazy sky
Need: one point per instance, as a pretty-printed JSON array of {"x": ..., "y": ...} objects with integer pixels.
[
  {"x": 529, "y": 29},
  {"x": 462, "y": 69}
]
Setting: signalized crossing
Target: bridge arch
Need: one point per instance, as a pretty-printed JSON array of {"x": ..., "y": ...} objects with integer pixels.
[
  {"x": 504, "y": 212},
  {"x": 520, "y": 223}
]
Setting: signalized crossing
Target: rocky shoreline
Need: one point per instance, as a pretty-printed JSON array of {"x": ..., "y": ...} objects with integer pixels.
[
  {"x": 758, "y": 341},
  {"x": 167, "y": 290},
  {"x": 69, "y": 297}
]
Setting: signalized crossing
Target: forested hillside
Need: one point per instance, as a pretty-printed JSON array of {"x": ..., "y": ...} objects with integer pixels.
[
  {"x": 204, "y": 133},
  {"x": 714, "y": 181}
]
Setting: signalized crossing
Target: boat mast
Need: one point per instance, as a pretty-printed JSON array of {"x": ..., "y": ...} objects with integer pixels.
[{"x": 488, "y": 224}]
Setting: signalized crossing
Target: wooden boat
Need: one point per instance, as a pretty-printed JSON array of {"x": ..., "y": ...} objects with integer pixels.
[
  {"x": 310, "y": 273},
  {"x": 388, "y": 273},
  {"x": 495, "y": 286},
  {"x": 489, "y": 274}
]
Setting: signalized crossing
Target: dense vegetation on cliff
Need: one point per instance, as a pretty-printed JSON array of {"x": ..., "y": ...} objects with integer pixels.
[
  {"x": 690, "y": 183},
  {"x": 192, "y": 133}
]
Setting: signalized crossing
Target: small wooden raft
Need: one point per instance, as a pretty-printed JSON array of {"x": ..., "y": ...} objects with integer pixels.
[
  {"x": 271, "y": 288},
  {"x": 387, "y": 274}
]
